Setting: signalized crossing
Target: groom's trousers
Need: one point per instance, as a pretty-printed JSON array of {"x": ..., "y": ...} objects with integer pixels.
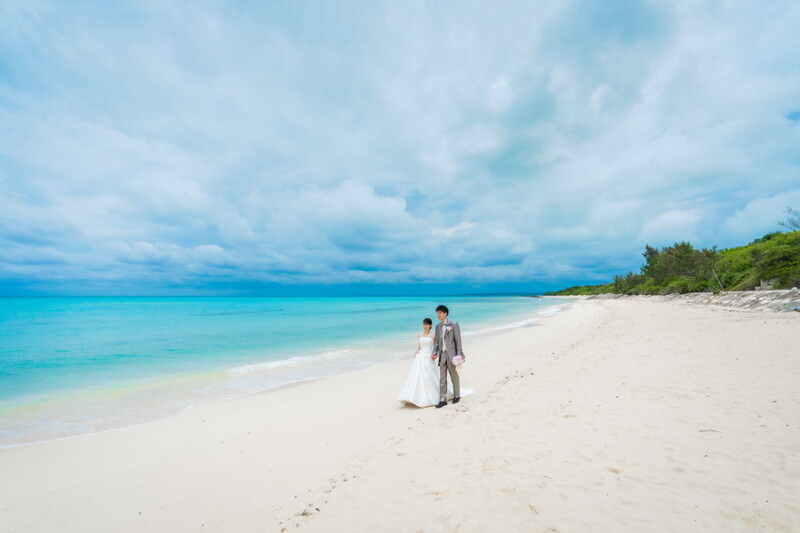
[{"x": 448, "y": 366}]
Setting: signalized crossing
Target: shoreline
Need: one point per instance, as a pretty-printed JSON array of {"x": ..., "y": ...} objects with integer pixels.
[
  {"x": 619, "y": 415},
  {"x": 329, "y": 363}
]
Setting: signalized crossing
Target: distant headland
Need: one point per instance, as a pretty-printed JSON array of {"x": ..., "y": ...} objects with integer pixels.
[{"x": 770, "y": 262}]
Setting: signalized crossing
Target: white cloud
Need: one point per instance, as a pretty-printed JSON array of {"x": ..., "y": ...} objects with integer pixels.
[
  {"x": 671, "y": 226},
  {"x": 183, "y": 142},
  {"x": 463, "y": 226},
  {"x": 761, "y": 215},
  {"x": 500, "y": 96}
]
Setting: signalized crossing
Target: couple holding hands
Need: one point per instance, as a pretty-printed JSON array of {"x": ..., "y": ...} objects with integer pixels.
[{"x": 426, "y": 384}]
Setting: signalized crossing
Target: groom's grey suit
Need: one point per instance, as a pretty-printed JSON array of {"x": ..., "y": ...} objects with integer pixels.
[{"x": 447, "y": 344}]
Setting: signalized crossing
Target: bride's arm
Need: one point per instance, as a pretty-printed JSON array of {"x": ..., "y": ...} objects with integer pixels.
[
  {"x": 419, "y": 335},
  {"x": 436, "y": 341}
]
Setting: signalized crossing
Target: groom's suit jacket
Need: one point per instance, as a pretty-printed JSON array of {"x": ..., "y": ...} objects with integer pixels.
[{"x": 447, "y": 334}]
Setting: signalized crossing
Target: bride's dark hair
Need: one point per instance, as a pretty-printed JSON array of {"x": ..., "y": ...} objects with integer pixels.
[{"x": 427, "y": 321}]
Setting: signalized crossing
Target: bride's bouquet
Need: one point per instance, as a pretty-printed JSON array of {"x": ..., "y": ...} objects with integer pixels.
[{"x": 458, "y": 360}]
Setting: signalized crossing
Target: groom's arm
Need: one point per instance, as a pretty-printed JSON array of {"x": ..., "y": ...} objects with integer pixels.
[
  {"x": 457, "y": 339},
  {"x": 436, "y": 342}
]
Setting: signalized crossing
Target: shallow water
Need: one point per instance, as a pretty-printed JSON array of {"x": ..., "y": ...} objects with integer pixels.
[{"x": 76, "y": 365}]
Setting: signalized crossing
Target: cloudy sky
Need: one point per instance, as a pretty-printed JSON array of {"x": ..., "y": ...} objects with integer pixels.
[{"x": 156, "y": 147}]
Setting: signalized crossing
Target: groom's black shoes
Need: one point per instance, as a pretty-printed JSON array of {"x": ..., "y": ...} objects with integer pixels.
[
  {"x": 456, "y": 400},
  {"x": 441, "y": 404}
]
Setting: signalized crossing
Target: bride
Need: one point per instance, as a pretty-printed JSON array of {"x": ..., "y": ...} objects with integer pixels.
[{"x": 422, "y": 384}]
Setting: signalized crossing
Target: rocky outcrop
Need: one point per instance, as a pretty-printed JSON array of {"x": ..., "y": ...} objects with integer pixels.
[{"x": 784, "y": 300}]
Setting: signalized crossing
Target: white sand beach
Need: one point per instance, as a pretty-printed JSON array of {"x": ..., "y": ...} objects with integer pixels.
[{"x": 614, "y": 415}]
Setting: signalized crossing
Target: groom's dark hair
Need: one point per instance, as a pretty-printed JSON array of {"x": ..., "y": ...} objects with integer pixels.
[{"x": 444, "y": 309}]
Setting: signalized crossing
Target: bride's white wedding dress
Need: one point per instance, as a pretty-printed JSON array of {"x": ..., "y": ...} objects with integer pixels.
[{"x": 422, "y": 384}]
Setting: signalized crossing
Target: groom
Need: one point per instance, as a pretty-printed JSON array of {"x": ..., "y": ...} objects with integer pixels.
[{"x": 447, "y": 344}]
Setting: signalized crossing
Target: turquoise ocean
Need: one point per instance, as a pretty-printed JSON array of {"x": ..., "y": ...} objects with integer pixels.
[{"x": 70, "y": 366}]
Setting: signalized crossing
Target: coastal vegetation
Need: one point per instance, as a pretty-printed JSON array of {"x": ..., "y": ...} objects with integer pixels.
[{"x": 772, "y": 261}]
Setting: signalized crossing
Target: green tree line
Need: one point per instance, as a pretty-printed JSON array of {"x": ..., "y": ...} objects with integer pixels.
[{"x": 682, "y": 268}]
